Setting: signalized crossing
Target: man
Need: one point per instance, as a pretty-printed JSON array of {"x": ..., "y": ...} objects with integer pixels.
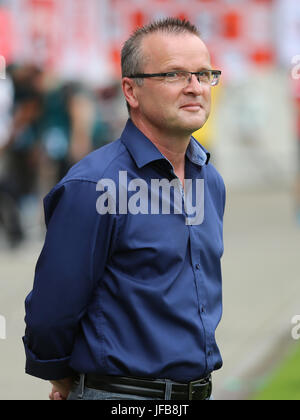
[{"x": 127, "y": 298}]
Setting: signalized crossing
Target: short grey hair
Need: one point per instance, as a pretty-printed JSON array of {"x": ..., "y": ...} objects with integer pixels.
[{"x": 132, "y": 59}]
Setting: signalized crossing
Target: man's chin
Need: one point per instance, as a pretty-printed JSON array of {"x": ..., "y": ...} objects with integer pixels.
[
  {"x": 194, "y": 122},
  {"x": 186, "y": 126},
  {"x": 192, "y": 126}
]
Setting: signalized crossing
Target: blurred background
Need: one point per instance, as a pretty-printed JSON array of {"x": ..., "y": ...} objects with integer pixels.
[{"x": 60, "y": 98}]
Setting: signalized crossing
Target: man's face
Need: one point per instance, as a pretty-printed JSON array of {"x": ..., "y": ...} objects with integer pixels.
[{"x": 174, "y": 108}]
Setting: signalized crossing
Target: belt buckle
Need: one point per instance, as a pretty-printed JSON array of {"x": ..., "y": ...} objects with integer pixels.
[{"x": 197, "y": 388}]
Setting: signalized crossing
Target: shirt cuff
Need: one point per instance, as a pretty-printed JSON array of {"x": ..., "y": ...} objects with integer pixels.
[{"x": 49, "y": 370}]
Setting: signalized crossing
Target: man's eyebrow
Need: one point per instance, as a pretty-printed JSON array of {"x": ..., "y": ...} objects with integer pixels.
[
  {"x": 179, "y": 68},
  {"x": 205, "y": 69},
  {"x": 174, "y": 68}
]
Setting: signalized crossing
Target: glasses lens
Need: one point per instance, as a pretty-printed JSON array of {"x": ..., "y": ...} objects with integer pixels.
[
  {"x": 204, "y": 77},
  {"x": 177, "y": 76},
  {"x": 215, "y": 79}
]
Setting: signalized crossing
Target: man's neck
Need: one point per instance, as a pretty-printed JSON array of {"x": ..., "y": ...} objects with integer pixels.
[{"x": 172, "y": 147}]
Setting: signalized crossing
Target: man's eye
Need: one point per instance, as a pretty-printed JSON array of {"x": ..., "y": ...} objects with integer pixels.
[
  {"x": 171, "y": 75},
  {"x": 205, "y": 75}
]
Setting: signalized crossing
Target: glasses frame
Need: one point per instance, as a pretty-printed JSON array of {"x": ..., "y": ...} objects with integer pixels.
[{"x": 214, "y": 73}]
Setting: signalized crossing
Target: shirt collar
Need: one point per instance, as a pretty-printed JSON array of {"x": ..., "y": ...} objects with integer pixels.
[
  {"x": 197, "y": 153},
  {"x": 143, "y": 151}
]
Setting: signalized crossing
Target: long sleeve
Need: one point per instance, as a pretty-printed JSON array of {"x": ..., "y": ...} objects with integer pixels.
[{"x": 71, "y": 263}]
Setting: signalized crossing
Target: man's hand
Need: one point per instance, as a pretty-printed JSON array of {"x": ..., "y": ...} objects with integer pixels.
[
  {"x": 55, "y": 395},
  {"x": 61, "y": 389}
]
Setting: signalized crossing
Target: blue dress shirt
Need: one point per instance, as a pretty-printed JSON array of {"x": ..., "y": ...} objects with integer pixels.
[{"x": 127, "y": 294}]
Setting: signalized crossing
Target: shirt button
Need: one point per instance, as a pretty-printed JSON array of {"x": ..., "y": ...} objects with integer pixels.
[
  {"x": 197, "y": 266},
  {"x": 203, "y": 309},
  {"x": 209, "y": 353}
]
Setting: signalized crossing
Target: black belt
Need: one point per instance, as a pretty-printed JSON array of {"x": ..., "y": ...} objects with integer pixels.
[{"x": 156, "y": 388}]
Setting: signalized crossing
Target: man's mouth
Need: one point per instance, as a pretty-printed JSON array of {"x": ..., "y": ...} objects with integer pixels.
[{"x": 193, "y": 106}]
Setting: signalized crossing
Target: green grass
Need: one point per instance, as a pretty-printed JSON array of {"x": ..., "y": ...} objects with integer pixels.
[{"x": 284, "y": 383}]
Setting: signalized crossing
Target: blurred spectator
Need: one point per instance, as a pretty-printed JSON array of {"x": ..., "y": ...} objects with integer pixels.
[
  {"x": 53, "y": 125},
  {"x": 71, "y": 128},
  {"x": 19, "y": 153}
]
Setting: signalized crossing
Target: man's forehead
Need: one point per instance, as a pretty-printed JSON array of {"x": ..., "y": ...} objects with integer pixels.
[{"x": 167, "y": 47}]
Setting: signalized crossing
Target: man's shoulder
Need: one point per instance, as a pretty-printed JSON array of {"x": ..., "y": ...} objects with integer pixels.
[
  {"x": 97, "y": 164},
  {"x": 214, "y": 176},
  {"x": 79, "y": 185},
  {"x": 101, "y": 163}
]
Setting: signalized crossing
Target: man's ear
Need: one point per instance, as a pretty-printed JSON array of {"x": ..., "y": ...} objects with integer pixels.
[{"x": 129, "y": 91}]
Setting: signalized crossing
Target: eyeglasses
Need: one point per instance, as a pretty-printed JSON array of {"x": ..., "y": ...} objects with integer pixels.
[{"x": 206, "y": 77}]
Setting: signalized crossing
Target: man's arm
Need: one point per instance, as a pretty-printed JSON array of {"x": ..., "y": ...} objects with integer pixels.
[{"x": 69, "y": 268}]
